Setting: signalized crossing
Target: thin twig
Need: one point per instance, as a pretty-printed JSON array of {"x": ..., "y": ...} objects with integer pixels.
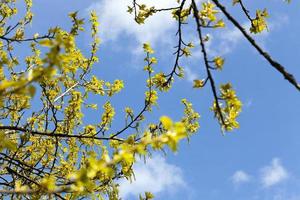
[{"x": 209, "y": 75}]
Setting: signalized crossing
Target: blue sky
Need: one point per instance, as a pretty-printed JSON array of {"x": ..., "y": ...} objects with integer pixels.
[{"x": 259, "y": 161}]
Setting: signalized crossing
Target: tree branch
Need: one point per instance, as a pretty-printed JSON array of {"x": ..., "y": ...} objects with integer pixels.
[
  {"x": 209, "y": 75},
  {"x": 59, "y": 135},
  {"x": 289, "y": 77}
]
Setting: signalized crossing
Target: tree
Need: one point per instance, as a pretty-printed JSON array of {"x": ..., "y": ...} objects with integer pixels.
[{"x": 47, "y": 149}]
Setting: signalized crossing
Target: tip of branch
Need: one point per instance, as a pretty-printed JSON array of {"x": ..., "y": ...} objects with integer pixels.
[{"x": 298, "y": 86}]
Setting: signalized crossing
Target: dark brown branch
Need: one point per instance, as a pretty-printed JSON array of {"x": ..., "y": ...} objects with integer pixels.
[
  {"x": 289, "y": 77},
  {"x": 144, "y": 109},
  {"x": 205, "y": 57},
  {"x": 59, "y": 135},
  {"x": 245, "y": 10},
  {"x": 48, "y": 36},
  {"x": 32, "y": 181},
  {"x": 19, "y": 163},
  {"x": 179, "y": 46}
]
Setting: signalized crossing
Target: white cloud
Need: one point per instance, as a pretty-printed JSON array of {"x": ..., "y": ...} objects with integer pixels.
[
  {"x": 228, "y": 38},
  {"x": 115, "y": 21},
  {"x": 278, "y": 22},
  {"x": 222, "y": 42},
  {"x": 156, "y": 176},
  {"x": 189, "y": 75},
  {"x": 240, "y": 177},
  {"x": 273, "y": 174},
  {"x": 284, "y": 196}
]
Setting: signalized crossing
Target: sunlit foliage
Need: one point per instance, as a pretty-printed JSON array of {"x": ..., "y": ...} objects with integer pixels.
[{"x": 47, "y": 151}]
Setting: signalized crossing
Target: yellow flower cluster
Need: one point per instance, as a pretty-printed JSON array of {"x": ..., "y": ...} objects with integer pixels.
[
  {"x": 184, "y": 13},
  {"x": 190, "y": 119},
  {"x": 198, "y": 83},
  {"x": 151, "y": 98},
  {"x": 147, "y": 48},
  {"x": 230, "y": 111},
  {"x": 143, "y": 13},
  {"x": 100, "y": 87},
  {"x": 219, "y": 62},
  {"x": 259, "y": 24},
  {"x": 159, "y": 81},
  {"x": 107, "y": 116},
  {"x": 208, "y": 15},
  {"x": 114, "y": 88},
  {"x": 73, "y": 112},
  {"x": 104, "y": 168}
]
